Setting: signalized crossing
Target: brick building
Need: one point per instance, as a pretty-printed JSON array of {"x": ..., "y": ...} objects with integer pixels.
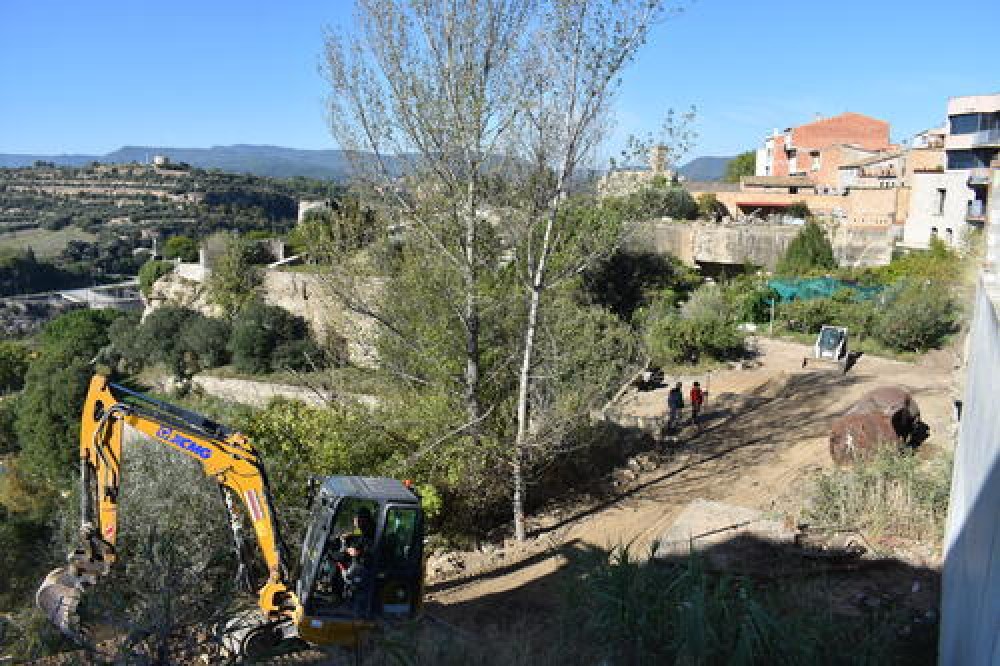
[{"x": 817, "y": 149}]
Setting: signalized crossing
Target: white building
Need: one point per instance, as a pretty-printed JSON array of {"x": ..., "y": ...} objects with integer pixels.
[{"x": 949, "y": 200}]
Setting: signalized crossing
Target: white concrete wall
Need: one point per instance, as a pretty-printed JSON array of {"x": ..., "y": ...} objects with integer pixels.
[
  {"x": 970, "y": 599},
  {"x": 923, "y": 214}
]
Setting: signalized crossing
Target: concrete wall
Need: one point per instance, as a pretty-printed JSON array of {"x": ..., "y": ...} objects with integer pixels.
[
  {"x": 970, "y": 599},
  {"x": 761, "y": 244}
]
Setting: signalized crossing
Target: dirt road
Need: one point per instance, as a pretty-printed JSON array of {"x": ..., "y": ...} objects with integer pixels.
[{"x": 765, "y": 433}]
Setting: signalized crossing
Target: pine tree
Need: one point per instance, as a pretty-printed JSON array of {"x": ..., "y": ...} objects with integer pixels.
[{"x": 809, "y": 250}]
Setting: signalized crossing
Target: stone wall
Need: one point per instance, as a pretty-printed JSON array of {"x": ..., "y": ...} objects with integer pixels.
[
  {"x": 306, "y": 295},
  {"x": 761, "y": 244}
]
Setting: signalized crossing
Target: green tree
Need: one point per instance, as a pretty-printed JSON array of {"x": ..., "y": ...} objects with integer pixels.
[
  {"x": 181, "y": 247},
  {"x": 625, "y": 281},
  {"x": 709, "y": 206},
  {"x": 48, "y": 419},
  {"x": 8, "y": 417},
  {"x": 743, "y": 164},
  {"x": 808, "y": 252},
  {"x": 672, "y": 201},
  {"x": 264, "y": 336},
  {"x": 234, "y": 279},
  {"x": 79, "y": 334},
  {"x": 150, "y": 272},
  {"x": 13, "y": 366}
]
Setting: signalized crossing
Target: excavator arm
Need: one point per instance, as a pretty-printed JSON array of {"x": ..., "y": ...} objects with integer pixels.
[{"x": 225, "y": 456}]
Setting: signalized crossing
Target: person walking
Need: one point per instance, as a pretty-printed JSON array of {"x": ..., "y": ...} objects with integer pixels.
[
  {"x": 675, "y": 403},
  {"x": 697, "y": 400}
]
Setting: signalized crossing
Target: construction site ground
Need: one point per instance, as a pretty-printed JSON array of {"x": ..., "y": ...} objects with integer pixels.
[{"x": 763, "y": 437}]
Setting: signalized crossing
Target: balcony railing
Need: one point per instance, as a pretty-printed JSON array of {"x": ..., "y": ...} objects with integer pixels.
[
  {"x": 980, "y": 176},
  {"x": 987, "y": 137},
  {"x": 976, "y": 210}
]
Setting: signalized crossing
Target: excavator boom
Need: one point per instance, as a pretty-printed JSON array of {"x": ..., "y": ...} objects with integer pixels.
[{"x": 224, "y": 455}]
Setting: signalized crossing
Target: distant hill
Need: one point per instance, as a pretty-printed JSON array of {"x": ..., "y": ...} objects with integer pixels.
[
  {"x": 277, "y": 162},
  {"x": 705, "y": 168},
  {"x": 273, "y": 161}
]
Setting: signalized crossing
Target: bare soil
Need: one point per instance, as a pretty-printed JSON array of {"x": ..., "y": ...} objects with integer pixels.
[{"x": 764, "y": 434}]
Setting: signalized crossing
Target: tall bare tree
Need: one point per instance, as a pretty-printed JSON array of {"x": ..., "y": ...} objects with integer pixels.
[
  {"x": 472, "y": 119},
  {"x": 582, "y": 50},
  {"x": 424, "y": 96}
]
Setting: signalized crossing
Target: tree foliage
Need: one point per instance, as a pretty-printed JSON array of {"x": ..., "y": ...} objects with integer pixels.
[
  {"x": 808, "y": 252},
  {"x": 235, "y": 279},
  {"x": 184, "y": 248},
  {"x": 627, "y": 280},
  {"x": 150, "y": 272},
  {"x": 13, "y": 366},
  {"x": 267, "y": 337},
  {"x": 916, "y": 316},
  {"x": 704, "y": 326},
  {"x": 744, "y": 164}
]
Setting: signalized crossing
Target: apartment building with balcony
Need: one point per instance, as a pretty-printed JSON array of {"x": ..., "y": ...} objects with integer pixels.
[{"x": 950, "y": 180}]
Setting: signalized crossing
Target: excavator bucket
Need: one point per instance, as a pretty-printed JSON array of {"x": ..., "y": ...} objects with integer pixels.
[{"x": 58, "y": 596}]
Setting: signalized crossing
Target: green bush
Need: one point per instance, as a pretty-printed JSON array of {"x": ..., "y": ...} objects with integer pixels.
[
  {"x": 48, "y": 420},
  {"x": 150, "y": 272},
  {"x": 808, "y": 316},
  {"x": 259, "y": 331},
  {"x": 916, "y": 316},
  {"x": 704, "y": 326},
  {"x": 8, "y": 416},
  {"x": 808, "y": 252},
  {"x": 620, "y": 609},
  {"x": 184, "y": 340},
  {"x": 13, "y": 366},
  {"x": 181, "y": 247}
]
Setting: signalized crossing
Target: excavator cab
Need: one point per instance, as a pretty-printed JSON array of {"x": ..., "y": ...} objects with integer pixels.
[{"x": 362, "y": 559}]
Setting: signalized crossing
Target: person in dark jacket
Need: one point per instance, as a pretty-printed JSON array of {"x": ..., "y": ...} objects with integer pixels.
[{"x": 675, "y": 403}]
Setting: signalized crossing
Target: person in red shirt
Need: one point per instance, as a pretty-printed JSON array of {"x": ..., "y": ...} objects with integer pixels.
[{"x": 697, "y": 399}]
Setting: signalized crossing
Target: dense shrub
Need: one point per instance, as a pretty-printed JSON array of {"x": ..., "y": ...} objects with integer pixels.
[
  {"x": 916, "y": 316},
  {"x": 150, "y": 272},
  {"x": 671, "y": 201},
  {"x": 890, "y": 494},
  {"x": 184, "y": 248},
  {"x": 8, "y": 415},
  {"x": 808, "y": 316},
  {"x": 626, "y": 281},
  {"x": 13, "y": 366},
  {"x": 704, "y": 326},
  {"x": 263, "y": 336},
  {"x": 184, "y": 340}
]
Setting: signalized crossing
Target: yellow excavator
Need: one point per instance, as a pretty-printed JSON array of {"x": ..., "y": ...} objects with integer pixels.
[{"x": 361, "y": 562}]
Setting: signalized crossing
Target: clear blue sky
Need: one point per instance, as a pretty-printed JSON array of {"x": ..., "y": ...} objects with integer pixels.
[{"x": 88, "y": 77}]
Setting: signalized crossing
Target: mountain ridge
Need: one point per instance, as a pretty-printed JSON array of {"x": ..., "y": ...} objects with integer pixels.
[{"x": 273, "y": 161}]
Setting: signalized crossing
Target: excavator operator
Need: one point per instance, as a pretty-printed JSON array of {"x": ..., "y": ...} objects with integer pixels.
[{"x": 348, "y": 564}]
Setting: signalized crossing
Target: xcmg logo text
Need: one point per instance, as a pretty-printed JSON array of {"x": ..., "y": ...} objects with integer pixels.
[{"x": 183, "y": 443}]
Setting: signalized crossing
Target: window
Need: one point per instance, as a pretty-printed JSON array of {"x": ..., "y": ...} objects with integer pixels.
[
  {"x": 941, "y": 193},
  {"x": 933, "y": 232},
  {"x": 399, "y": 540},
  {"x": 815, "y": 162},
  {"x": 966, "y": 123},
  {"x": 949, "y": 236}
]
